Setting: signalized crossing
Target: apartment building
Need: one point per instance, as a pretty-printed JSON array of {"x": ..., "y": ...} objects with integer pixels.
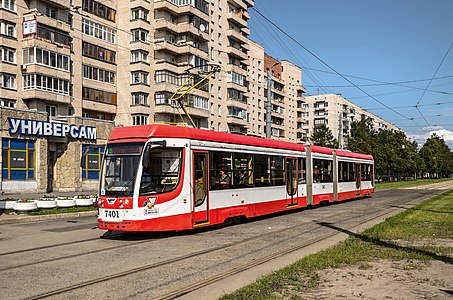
[
  {"x": 71, "y": 70},
  {"x": 338, "y": 113},
  {"x": 287, "y": 102}
]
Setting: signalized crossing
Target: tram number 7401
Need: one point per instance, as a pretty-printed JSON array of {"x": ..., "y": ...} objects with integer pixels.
[{"x": 112, "y": 214}]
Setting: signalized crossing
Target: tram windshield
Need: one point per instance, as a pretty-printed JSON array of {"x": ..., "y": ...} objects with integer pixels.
[
  {"x": 119, "y": 169},
  {"x": 163, "y": 172}
]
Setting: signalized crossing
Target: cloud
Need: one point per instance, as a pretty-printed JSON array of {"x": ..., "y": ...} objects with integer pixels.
[{"x": 445, "y": 134}]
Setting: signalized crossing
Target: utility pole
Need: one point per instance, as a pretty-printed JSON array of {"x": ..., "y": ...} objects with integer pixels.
[{"x": 340, "y": 132}]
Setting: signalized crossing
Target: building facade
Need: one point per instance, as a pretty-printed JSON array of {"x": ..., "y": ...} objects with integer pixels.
[
  {"x": 286, "y": 96},
  {"x": 72, "y": 70},
  {"x": 94, "y": 65},
  {"x": 338, "y": 113}
]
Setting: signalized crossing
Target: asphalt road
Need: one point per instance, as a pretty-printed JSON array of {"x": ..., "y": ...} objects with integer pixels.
[{"x": 72, "y": 259}]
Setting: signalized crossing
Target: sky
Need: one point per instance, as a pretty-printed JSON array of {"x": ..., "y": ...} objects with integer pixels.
[{"x": 396, "y": 55}]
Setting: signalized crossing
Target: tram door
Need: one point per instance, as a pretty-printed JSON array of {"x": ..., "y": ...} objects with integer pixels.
[
  {"x": 200, "y": 188},
  {"x": 291, "y": 181},
  {"x": 358, "y": 179}
]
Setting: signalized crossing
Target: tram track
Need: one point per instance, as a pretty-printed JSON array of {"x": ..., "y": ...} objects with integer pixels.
[
  {"x": 383, "y": 201},
  {"x": 365, "y": 218}
]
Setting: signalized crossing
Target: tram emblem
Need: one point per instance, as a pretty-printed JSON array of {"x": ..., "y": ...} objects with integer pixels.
[{"x": 150, "y": 202}]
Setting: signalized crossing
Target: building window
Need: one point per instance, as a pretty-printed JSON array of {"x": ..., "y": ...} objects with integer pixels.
[
  {"x": 139, "y": 119},
  {"x": 7, "y": 81},
  {"x": 140, "y": 77},
  {"x": 98, "y": 31},
  {"x": 98, "y": 74},
  {"x": 18, "y": 159},
  {"x": 54, "y": 35},
  {"x": 7, "y": 29},
  {"x": 202, "y": 64},
  {"x": 198, "y": 102},
  {"x": 100, "y": 10},
  {"x": 46, "y": 83},
  {"x": 139, "y": 56},
  {"x": 139, "y": 35},
  {"x": 98, "y": 52},
  {"x": 140, "y": 13},
  {"x": 47, "y": 58},
  {"x": 98, "y": 95},
  {"x": 236, "y": 78},
  {"x": 92, "y": 162},
  {"x": 51, "y": 12},
  {"x": 140, "y": 98},
  {"x": 51, "y": 110},
  {"x": 8, "y": 55},
  {"x": 8, "y": 4},
  {"x": 163, "y": 98},
  {"x": 7, "y": 102}
]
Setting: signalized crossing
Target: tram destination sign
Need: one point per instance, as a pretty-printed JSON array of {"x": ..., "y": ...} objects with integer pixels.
[{"x": 55, "y": 129}]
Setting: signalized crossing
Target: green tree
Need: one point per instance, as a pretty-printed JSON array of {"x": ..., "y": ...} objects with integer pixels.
[
  {"x": 322, "y": 136},
  {"x": 362, "y": 136},
  {"x": 437, "y": 156}
]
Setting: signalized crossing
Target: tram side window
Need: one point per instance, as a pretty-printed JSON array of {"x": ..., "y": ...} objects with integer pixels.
[
  {"x": 242, "y": 170},
  {"x": 277, "y": 170},
  {"x": 262, "y": 170},
  {"x": 346, "y": 171},
  {"x": 322, "y": 171},
  {"x": 163, "y": 173},
  {"x": 221, "y": 170},
  {"x": 302, "y": 170},
  {"x": 366, "y": 172}
]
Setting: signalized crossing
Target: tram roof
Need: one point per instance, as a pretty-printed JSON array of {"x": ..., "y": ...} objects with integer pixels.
[
  {"x": 345, "y": 153},
  {"x": 144, "y": 132}
]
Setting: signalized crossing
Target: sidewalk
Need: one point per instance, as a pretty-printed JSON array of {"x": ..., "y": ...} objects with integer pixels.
[{"x": 6, "y": 218}]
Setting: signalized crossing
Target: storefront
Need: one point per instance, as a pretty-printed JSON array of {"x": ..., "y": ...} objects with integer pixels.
[{"x": 42, "y": 155}]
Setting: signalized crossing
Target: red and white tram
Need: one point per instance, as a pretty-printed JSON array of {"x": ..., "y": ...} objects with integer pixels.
[{"x": 160, "y": 177}]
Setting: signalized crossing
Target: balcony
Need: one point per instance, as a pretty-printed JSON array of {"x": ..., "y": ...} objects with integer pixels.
[
  {"x": 30, "y": 42},
  {"x": 237, "y": 18},
  {"x": 238, "y": 3},
  {"x": 61, "y": 3},
  {"x": 44, "y": 95},
  {"x": 164, "y": 25},
  {"x": 54, "y": 23},
  {"x": 99, "y": 106},
  {"x": 175, "y": 49},
  {"x": 173, "y": 109},
  {"x": 44, "y": 70},
  {"x": 237, "y": 86},
  {"x": 237, "y": 120},
  {"x": 245, "y": 30},
  {"x": 180, "y": 10},
  {"x": 250, "y": 3},
  {"x": 237, "y": 53},
  {"x": 236, "y": 69},
  {"x": 237, "y": 36}
]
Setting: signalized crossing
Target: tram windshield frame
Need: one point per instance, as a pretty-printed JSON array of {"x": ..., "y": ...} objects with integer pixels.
[{"x": 119, "y": 169}]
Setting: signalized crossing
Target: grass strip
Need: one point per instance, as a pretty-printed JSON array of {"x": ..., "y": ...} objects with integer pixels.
[
  {"x": 408, "y": 183},
  {"x": 432, "y": 219},
  {"x": 52, "y": 211}
]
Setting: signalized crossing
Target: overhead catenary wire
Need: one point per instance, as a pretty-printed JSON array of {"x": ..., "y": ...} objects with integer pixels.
[
  {"x": 316, "y": 79},
  {"x": 331, "y": 68}
]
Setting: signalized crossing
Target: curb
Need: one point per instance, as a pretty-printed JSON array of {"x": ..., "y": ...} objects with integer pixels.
[{"x": 29, "y": 219}]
